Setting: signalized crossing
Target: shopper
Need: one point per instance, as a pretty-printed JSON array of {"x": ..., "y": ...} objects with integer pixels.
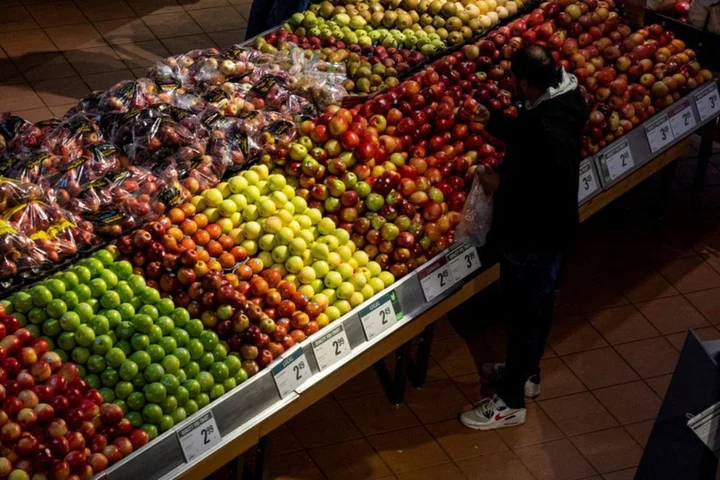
[
  {"x": 267, "y": 14},
  {"x": 535, "y": 217}
]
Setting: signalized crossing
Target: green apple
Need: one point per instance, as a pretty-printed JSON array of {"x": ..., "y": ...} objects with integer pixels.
[
  {"x": 326, "y": 226},
  {"x": 306, "y": 290},
  {"x": 213, "y": 197},
  {"x": 272, "y": 224},
  {"x": 266, "y": 207},
  {"x": 251, "y": 176},
  {"x": 284, "y": 236},
  {"x": 315, "y": 216},
  {"x": 294, "y": 264},
  {"x": 267, "y": 242},
  {"x": 280, "y": 254},
  {"x": 333, "y": 313},
  {"x": 333, "y": 280},
  {"x": 343, "y": 306},
  {"x": 321, "y": 268},
  {"x": 387, "y": 278},
  {"x": 297, "y": 246},
  {"x": 320, "y": 251},
  {"x": 300, "y": 204},
  {"x": 237, "y": 184},
  {"x": 306, "y": 275}
]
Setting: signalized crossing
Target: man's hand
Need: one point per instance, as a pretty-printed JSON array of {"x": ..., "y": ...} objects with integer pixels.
[
  {"x": 483, "y": 115},
  {"x": 490, "y": 181}
]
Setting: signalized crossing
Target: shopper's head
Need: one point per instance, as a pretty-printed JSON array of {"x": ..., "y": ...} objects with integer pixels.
[{"x": 534, "y": 69}]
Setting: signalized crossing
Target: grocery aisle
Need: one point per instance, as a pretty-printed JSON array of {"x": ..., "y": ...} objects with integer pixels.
[
  {"x": 634, "y": 288},
  {"x": 52, "y": 52}
]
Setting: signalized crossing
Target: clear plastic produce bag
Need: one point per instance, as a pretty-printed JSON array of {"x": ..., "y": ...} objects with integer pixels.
[{"x": 476, "y": 217}]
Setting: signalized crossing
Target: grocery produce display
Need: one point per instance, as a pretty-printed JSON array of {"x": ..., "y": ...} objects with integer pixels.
[
  {"x": 376, "y": 42},
  {"x": 234, "y": 208}
]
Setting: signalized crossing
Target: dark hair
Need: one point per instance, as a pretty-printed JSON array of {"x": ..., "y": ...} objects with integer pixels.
[{"x": 535, "y": 64}]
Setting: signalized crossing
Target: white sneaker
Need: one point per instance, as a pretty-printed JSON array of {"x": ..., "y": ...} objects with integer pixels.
[
  {"x": 492, "y": 413},
  {"x": 492, "y": 372},
  {"x": 532, "y": 389}
]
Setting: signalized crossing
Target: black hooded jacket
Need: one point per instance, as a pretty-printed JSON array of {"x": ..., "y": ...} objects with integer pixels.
[{"x": 536, "y": 206}]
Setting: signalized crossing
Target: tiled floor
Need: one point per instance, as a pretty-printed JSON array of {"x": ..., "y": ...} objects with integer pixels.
[
  {"x": 53, "y": 52},
  {"x": 635, "y": 286}
]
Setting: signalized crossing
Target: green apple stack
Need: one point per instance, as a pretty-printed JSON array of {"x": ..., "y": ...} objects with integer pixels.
[{"x": 139, "y": 350}]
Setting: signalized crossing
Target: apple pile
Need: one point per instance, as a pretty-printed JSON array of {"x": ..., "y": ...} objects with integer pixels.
[
  {"x": 369, "y": 67},
  {"x": 137, "y": 349},
  {"x": 52, "y": 423},
  {"x": 428, "y": 25},
  {"x": 394, "y": 172},
  {"x": 297, "y": 255},
  {"x": 625, "y": 76}
]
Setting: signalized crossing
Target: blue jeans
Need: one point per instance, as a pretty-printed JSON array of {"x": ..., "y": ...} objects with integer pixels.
[{"x": 528, "y": 281}]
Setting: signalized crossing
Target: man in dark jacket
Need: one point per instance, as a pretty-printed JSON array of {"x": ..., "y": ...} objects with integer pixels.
[{"x": 535, "y": 218}]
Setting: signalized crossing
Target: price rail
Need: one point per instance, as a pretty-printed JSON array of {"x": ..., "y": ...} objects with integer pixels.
[{"x": 659, "y": 133}]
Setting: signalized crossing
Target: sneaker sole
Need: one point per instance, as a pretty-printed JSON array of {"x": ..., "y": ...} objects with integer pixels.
[{"x": 493, "y": 426}]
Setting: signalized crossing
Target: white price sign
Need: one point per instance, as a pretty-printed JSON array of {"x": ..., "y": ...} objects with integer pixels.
[
  {"x": 682, "y": 118},
  {"x": 380, "y": 315},
  {"x": 659, "y": 133},
  {"x": 331, "y": 347},
  {"x": 463, "y": 260},
  {"x": 588, "y": 182},
  {"x": 199, "y": 436},
  {"x": 292, "y": 372},
  {"x": 618, "y": 160},
  {"x": 707, "y": 101},
  {"x": 436, "y": 278}
]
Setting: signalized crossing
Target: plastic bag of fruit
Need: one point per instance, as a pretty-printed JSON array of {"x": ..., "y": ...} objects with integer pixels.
[
  {"x": 11, "y": 127},
  {"x": 14, "y": 193},
  {"x": 33, "y": 137},
  {"x": 232, "y": 140},
  {"x": 77, "y": 186},
  {"x": 19, "y": 256},
  {"x": 132, "y": 95},
  {"x": 73, "y": 137},
  {"x": 476, "y": 217},
  {"x": 158, "y": 140},
  {"x": 30, "y": 167},
  {"x": 143, "y": 195},
  {"x": 55, "y": 231},
  {"x": 195, "y": 69}
]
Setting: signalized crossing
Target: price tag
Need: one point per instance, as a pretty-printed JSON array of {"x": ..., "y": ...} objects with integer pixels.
[
  {"x": 682, "y": 118},
  {"x": 331, "y": 347},
  {"x": 463, "y": 261},
  {"x": 436, "y": 278},
  {"x": 659, "y": 133},
  {"x": 198, "y": 437},
  {"x": 707, "y": 102},
  {"x": 588, "y": 182},
  {"x": 380, "y": 315},
  {"x": 618, "y": 160},
  {"x": 291, "y": 373}
]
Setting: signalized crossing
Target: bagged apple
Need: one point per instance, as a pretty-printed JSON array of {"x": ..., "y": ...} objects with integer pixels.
[
  {"x": 14, "y": 193},
  {"x": 11, "y": 127},
  {"x": 476, "y": 217},
  {"x": 130, "y": 95},
  {"x": 19, "y": 256},
  {"x": 73, "y": 137}
]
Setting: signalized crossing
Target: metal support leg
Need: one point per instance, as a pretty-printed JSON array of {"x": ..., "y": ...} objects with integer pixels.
[
  {"x": 417, "y": 369},
  {"x": 668, "y": 174},
  {"x": 704, "y": 155},
  {"x": 260, "y": 449},
  {"x": 256, "y": 470},
  {"x": 394, "y": 385}
]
